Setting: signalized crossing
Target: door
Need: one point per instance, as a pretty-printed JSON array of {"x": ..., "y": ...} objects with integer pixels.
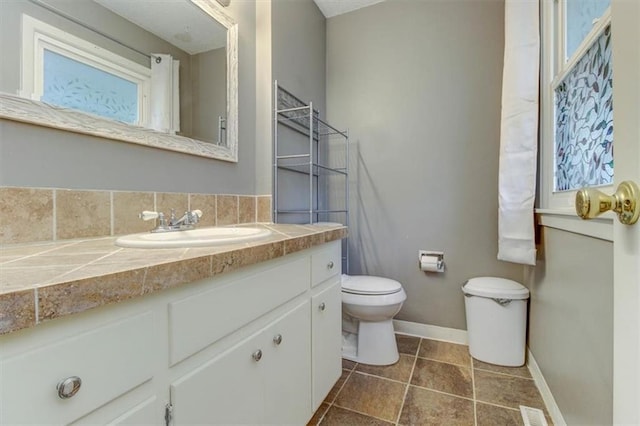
[{"x": 625, "y": 18}]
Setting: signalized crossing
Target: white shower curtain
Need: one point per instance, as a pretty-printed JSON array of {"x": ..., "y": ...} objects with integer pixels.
[{"x": 519, "y": 132}]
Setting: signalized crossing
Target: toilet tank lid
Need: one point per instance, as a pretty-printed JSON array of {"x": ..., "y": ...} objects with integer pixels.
[
  {"x": 367, "y": 284},
  {"x": 494, "y": 287}
]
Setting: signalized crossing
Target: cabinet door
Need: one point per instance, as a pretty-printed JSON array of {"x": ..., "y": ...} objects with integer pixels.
[
  {"x": 288, "y": 372},
  {"x": 229, "y": 389},
  {"x": 326, "y": 343},
  {"x": 240, "y": 388}
]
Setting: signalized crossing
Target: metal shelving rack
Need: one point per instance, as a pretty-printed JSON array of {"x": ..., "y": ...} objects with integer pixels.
[{"x": 318, "y": 152}]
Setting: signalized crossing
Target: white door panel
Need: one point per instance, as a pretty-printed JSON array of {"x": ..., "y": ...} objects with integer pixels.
[{"x": 625, "y": 25}]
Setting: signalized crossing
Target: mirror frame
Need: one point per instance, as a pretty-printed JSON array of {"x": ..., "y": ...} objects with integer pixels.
[{"x": 39, "y": 113}]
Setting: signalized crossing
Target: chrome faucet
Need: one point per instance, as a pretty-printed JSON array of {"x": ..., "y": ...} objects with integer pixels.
[{"x": 187, "y": 221}]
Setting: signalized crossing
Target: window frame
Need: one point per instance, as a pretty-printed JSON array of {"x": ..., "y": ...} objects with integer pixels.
[
  {"x": 554, "y": 68},
  {"x": 38, "y": 36}
]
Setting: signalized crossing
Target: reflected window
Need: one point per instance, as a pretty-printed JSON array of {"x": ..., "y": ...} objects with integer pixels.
[
  {"x": 64, "y": 70},
  {"x": 73, "y": 84}
]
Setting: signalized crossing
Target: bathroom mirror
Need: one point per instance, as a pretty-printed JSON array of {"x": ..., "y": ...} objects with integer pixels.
[{"x": 161, "y": 74}]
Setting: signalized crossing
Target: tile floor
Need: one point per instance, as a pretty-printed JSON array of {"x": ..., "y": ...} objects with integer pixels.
[{"x": 433, "y": 383}]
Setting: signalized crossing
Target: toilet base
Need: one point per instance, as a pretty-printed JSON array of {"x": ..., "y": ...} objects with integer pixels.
[{"x": 376, "y": 344}]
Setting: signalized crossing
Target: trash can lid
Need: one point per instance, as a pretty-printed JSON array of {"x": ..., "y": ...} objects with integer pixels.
[{"x": 493, "y": 287}]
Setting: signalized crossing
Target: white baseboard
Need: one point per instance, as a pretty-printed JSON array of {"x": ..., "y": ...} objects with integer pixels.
[
  {"x": 547, "y": 397},
  {"x": 434, "y": 332}
]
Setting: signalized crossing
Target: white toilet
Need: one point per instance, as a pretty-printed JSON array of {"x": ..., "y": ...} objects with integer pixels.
[{"x": 368, "y": 306}]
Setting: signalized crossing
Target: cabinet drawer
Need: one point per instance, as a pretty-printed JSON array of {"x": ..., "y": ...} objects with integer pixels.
[
  {"x": 109, "y": 360},
  {"x": 326, "y": 263},
  {"x": 199, "y": 320}
]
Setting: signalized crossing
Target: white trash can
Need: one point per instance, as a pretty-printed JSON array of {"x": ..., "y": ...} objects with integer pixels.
[{"x": 496, "y": 311}]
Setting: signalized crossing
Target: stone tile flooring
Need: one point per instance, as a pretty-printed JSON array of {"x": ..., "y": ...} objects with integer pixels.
[{"x": 433, "y": 383}]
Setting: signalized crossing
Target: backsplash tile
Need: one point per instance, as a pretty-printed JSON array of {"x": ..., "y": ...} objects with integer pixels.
[
  {"x": 59, "y": 214},
  {"x": 206, "y": 203},
  {"x": 26, "y": 215},
  {"x": 165, "y": 201},
  {"x": 227, "y": 209},
  {"x": 264, "y": 209},
  {"x": 126, "y": 207},
  {"x": 81, "y": 214},
  {"x": 246, "y": 209}
]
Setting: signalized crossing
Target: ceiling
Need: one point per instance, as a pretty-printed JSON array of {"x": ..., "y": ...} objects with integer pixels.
[
  {"x": 177, "y": 21},
  {"x": 337, "y": 7},
  {"x": 182, "y": 24}
]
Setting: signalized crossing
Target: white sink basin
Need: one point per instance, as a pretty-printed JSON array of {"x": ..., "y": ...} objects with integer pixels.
[{"x": 202, "y": 237}]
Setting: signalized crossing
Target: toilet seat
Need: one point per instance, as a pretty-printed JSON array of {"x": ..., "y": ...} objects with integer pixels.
[{"x": 369, "y": 285}]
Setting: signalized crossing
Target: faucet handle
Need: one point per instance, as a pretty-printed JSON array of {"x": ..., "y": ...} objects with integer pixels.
[
  {"x": 192, "y": 217},
  {"x": 148, "y": 215}
]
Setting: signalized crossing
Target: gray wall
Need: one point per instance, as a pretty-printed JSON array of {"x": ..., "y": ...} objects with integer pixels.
[
  {"x": 299, "y": 65},
  {"x": 418, "y": 84},
  {"x": 299, "y": 47},
  {"x": 209, "y": 79},
  {"x": 571, "y": 324},
  {"x": 41, "y": 157}
]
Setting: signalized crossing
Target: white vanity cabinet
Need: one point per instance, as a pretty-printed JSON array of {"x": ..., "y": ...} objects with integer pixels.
[
  {"x": 257, "y": 346},
  {"x": 265, "y": 379},
  {"x": 61, "y": 373}
]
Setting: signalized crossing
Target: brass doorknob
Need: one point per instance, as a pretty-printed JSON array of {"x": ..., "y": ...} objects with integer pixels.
[{"x": 625, "y": 202}]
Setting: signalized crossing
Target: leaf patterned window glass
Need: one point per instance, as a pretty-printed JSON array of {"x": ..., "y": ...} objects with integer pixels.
[
  {"x": 581, "y": 15},
  {"x": 584, "y": 120},
  {"x": 73, "y": 84}
]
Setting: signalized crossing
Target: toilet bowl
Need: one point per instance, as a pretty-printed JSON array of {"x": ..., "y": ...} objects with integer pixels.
[{"x": 369, "y": 305}]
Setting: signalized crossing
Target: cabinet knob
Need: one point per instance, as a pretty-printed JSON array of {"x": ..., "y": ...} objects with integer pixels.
[
  {"x": 322, "y": 306},
  {"x": 277, "y": 339},
  {"x": 68, "y": 387},
  {"x": 330, "y": 264},
  {"x": 257, "y": 355}
]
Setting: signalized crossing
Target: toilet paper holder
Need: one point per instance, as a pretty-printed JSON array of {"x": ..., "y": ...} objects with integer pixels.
[{"x": 438, "y": 255}]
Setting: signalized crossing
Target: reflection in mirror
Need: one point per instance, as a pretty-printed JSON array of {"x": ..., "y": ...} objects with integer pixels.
[{"x": 163, "y": 66}]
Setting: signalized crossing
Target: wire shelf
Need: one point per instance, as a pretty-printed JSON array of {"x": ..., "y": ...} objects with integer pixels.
[
  {"x": 310, "y": 172},
  {"x": 296, "y": 114}
]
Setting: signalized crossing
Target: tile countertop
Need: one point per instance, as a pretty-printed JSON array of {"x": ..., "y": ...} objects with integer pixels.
[{"x": 44, "y": 281}]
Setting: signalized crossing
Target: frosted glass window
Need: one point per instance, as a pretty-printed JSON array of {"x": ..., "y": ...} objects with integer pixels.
[
  {"x": 580, "y": 17},
  {"x": 73, "y": 84},
  {"x": 584, "y": 120}
]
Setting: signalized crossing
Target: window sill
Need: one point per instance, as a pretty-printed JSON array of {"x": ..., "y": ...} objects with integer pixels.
[{"x": 567, "y": 220}]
